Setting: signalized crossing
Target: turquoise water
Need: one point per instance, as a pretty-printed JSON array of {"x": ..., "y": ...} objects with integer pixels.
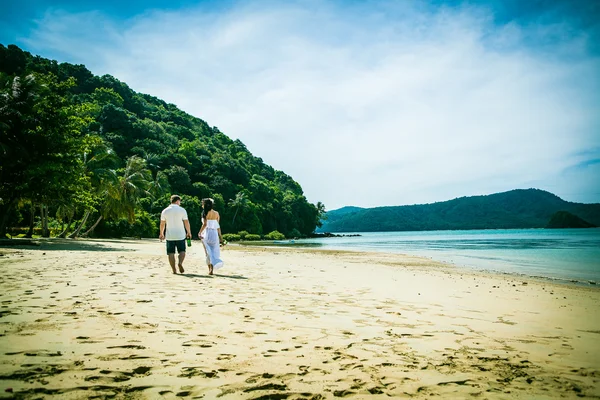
[{"x": 565, "y": 254}]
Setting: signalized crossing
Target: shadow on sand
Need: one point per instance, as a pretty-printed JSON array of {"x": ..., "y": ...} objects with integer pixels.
[
  {"x": 212, "y": 276},
  {"x": 186, "y": 275},
  {"x": 56, "y": 244}
]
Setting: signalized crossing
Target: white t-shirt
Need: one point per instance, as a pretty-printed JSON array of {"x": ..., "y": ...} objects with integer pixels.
[{"x": 174, "y": 215}]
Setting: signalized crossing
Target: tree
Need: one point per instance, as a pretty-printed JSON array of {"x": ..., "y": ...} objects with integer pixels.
[
  {"x": 240, "y": 201},
  {"x": 65, "y": 213},
  {"x": 160, "y": 185},
  {"x": 17, "y": 100},
  {"x": 105, "y": 96},
  {"x": 50, "y": 115},
  {"x": 321, "y": 214},
  {"x": 178, "y": 178},
  {"x": 40, "y": 140},
  {"x": 13, "y": 59},
  {"x": 29, "y": 233},
  {"x": 121, "y": 198},
  {"x": 99, "y": 165}
]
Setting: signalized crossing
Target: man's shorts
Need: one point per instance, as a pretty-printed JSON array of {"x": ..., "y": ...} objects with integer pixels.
[{"x": 172, "y": 244}]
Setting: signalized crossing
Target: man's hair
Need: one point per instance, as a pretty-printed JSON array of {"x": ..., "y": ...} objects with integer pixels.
[{"x": 175, "y": 198}]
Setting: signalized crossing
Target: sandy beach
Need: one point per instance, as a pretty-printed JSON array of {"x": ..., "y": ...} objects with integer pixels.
[{"x": 108, "y": 319}]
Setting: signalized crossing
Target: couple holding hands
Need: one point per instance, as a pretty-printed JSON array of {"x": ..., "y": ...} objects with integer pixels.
[{"x": 175, "y": 228}]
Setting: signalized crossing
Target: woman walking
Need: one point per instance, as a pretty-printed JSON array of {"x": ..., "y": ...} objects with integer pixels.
[{"x": 210, "y": 234}]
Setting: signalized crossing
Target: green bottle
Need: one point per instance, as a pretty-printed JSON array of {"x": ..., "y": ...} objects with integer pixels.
[{"x": 189, "y": 242}]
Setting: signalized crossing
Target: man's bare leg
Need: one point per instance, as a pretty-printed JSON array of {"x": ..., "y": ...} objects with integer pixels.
[
  {"x": 181, "y": 258},
  {"x": 172, "y": 262}
]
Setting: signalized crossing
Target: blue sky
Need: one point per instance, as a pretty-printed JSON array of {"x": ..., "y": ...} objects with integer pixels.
[{"x": 364, "y": 103}]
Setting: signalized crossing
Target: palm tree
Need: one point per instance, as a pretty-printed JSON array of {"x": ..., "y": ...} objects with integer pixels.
[
  {"x": 98, "y": 167},
  {"x": 160, "y": 185},
  {"x": 121, "y": 198},
  {"x": 152, "y": 160},
  {"x": 321, "y": 214},
  {"x": 240, "y": 201},
  {"x": 65, "y": 212},
  {"x": 133, "y": 184}
]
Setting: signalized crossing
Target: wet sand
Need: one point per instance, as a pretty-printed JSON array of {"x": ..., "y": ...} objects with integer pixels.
[{"x": 108, "y": 319}]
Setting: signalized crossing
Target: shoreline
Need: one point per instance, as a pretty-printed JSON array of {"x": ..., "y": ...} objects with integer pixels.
[
  {"x": 592, "y": 284},
  {"x": 303, "y": 247},
  {"x": 107, "y": 318}
]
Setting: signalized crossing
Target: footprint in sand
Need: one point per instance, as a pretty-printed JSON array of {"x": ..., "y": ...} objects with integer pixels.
[
  {"x": 198, "y": 343},
  {"x": 127, "y": 346},
  {"x": 343, "y": 393},
  {"x": 141, "y": 370},
  {"x": 120, "y": 377},
  {"x": 189, "y": 372},
  {"x": 134, "y": 357},
  {"x": 303, "y": 370}
]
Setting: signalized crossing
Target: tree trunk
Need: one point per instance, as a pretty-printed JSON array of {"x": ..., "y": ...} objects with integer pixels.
[
  {"x": 234, "y": 215},
  {"x": 63, "y": 234},
  {"x": 4, "y": 219},
  {"x": 93, "y": 226},
  {"x": 29, "y": 233},
  {"x": 45, "y": 230},
  {"x": 85, "y": 217},
  {"x": 42, "y": 218}
]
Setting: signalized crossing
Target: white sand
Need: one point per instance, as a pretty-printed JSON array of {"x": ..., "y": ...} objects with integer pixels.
[{"x": 108, "y": 319}]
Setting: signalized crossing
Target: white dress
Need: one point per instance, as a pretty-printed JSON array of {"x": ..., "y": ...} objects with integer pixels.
[{"x": 210, "y": 238}]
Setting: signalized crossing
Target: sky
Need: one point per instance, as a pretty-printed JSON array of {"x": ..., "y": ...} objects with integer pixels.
[{"x": 364, "y": 103}]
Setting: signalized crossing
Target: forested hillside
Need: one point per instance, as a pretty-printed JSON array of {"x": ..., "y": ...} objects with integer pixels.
[
  {"x": 531, "y": 208},
  {"x": 84, "y": 153}
]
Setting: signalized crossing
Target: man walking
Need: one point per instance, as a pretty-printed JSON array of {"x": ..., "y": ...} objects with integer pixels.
[{"x": 175, "y": 219}]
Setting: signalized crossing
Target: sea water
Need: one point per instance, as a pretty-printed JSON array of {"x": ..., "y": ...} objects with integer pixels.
[{"x": 565, "y": 254}]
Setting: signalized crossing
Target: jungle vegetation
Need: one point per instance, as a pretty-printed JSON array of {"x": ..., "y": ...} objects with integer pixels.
[{"x": 82, "y": 154}]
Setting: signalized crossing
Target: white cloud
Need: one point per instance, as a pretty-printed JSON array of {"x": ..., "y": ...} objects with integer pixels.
[{"x": 376, "y": 104}]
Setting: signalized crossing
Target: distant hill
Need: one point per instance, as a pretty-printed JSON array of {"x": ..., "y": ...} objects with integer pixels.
[
  {"x": 346, "y": 210},
  {"x": 332, "y": 217},
  {"x": 521, "y": 208},
  {"x": 564, "y": 219}
]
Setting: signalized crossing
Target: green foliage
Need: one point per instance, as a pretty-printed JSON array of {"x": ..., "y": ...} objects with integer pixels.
[
  {"x": 121, "y": 196},
  {"x": 42, "y": 137},
  {"x": 251, "y": 237},
  {"x": 144, "y": 226},
  {"x": 193, "y": 206},
  {"x": 243, "y": 234},
  {"x": 21, "y": 232},
  {"x": 178, "y": 178},
  {"x": 531, "y": 208},
  {"x": 275, "y": 235},
  {"x": 231, "y": 237},
  {"x": 295, "y": 233},
  {"x": 103, "y": 96},
  {"x": 69, "y": 137},
  {"x": 201, "y": 190},
  {"x": 564, "y": 219}
]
